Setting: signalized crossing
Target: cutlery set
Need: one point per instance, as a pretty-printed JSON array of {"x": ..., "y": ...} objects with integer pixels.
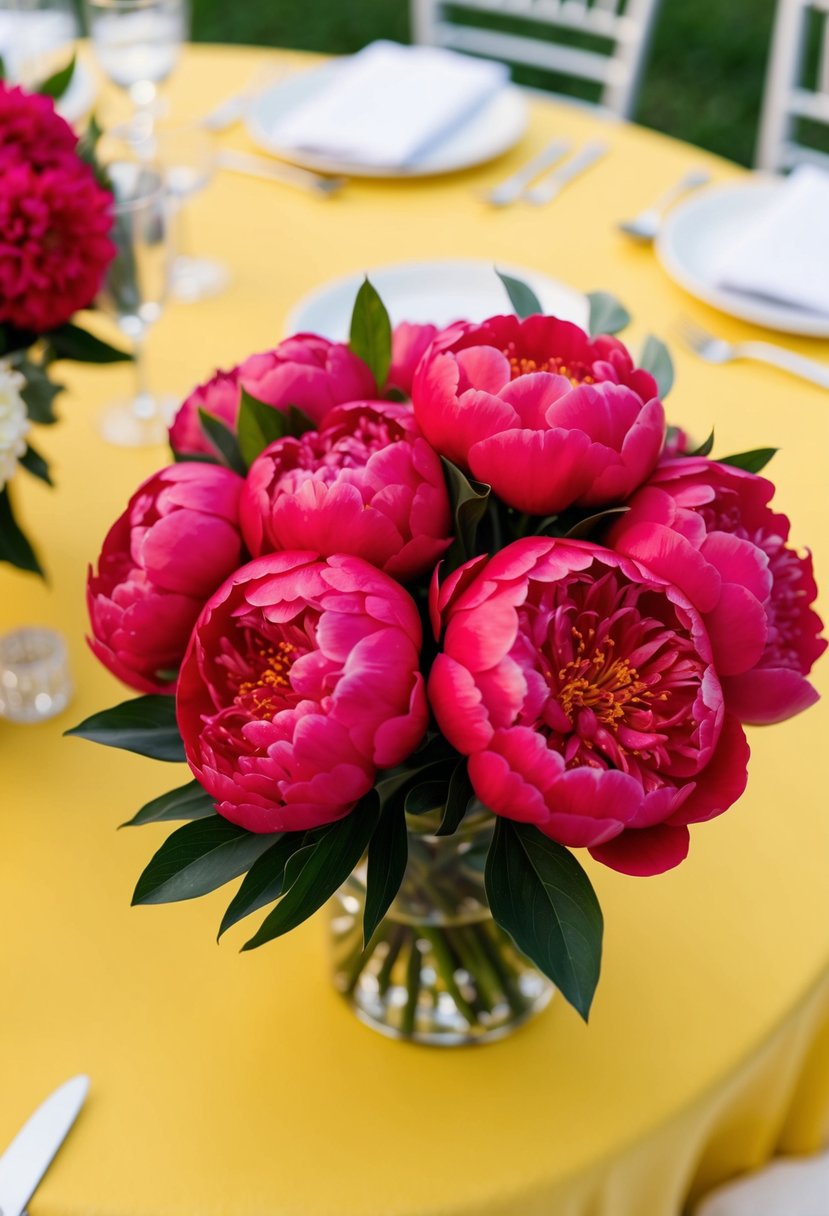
[{"x": 530, "y": 184}]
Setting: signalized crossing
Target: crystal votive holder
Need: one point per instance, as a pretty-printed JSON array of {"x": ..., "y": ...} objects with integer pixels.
[{"x": 35, "y": 683}]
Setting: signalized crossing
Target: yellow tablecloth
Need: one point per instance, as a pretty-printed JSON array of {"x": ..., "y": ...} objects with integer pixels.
[{"x": 241, "y": 1085}]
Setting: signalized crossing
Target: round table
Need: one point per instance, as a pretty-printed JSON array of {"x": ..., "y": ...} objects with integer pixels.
[{"x": 225, "y": 1083}]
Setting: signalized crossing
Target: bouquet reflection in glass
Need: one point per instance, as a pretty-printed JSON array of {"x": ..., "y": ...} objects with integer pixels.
[{"x": 134, "y": 291}]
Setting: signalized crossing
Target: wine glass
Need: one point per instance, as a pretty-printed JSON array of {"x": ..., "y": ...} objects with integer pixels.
[
  {"x": 137, "y": 44},
  {"x": 36, "y": 38},
  {"x": 134, "y": 291},
  {"x": 187, "y": 156}
]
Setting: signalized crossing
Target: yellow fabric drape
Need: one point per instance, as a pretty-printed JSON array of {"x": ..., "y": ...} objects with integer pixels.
[{"x": 241, "y": 1085}]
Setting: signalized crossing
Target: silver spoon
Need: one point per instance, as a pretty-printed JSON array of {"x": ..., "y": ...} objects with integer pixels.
[{"x": 646, "y": 224}]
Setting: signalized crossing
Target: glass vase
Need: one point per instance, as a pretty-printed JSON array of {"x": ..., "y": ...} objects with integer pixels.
[{"x": 438, "y": 969}]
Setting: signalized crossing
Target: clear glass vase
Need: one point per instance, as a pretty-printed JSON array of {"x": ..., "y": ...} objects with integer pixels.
[{"x": 438, "y": 969}]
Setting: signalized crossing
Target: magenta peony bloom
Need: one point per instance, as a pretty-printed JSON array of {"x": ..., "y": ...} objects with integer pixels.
[
  {"x": 707, "y": 528},
  {"x": 543, "y": 414},
  {"x": 408, "y": 345},
  {"x": 301, "y": 681},
  {"x": 583, "y": 691},
  {"x": 305, "y": 371},
  {"x": 172, "y": 547},
  {"x": 54, "y": 243},
  {"x": 31, "y": 132},
  {"x": 366, "y": 483}
]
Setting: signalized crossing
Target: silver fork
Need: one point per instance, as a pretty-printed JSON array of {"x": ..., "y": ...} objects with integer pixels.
[{"x": 717, "y": 350}]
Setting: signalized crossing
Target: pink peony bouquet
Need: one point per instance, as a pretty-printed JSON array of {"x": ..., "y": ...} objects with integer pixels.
[
  {"x": 55, "y": 220},
  {"x": 448, "y": 576}
]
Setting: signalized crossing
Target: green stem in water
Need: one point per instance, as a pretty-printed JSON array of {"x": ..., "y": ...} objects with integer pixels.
[{"x": 413, "y": 989}]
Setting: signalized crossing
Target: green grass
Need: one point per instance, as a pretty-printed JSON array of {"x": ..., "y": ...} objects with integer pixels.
[{"x": 703, "y": 81}]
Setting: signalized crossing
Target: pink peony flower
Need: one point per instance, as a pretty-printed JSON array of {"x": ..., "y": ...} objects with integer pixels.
[
  {"x": 301, "y": 680},
  {"x": 54, "y": 243},
  {"x": 172, "y": 547},
  {"x": 543, "y": 414},
  {"x": 305, "y": 371},
  {"x": 707, "y": 528},
  {"x": 408, "y": 345},
  {"x": 31, "y": 132},
  {"x": 582, "y": 688},
  {"x": 366, "y": 484}
]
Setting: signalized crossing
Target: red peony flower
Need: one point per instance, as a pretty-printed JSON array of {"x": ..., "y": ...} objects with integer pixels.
[
  {"x": 31, "y": 132},
  {"x": 305, "y": 371},
  {"x": 54, "y": 243},
  {"x": 582, "y": 688},
  {"x": 408, "y": 345},
  {"x": 301, "y": 681},
  {"x": 707, "y": 527},
  {"x": 543, "y": 414},
  {"x": 172, "y": 547},
  {"x": 366, "y": 483}
]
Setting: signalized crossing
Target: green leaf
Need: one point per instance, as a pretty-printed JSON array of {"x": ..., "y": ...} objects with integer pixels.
[
  {"x": 458, "y": 796},
  {"x": 223, "y": 440},
  {"x": 424, "y": 797},
  {"x": 2, "y": 68},
  {"x": 317, "y": 870},
  {"x": 56, "y": 85},
  {"x": 752, "y": 461},
  {"x": 38, "y": 392},
  {"x": 587, "y": 526},
  {"x": 607, "y": 314},
  {"x": 704, "y": 449},
  {"x": 265, "y": 881},
  {"x": 146, "y": 725},
  {"x": 198, "y": 858},
  {"x": 542, "y": 897},
  {"x": 522, "y": 297},
  {"x": 198, "y": 457},
  {"x": 14, "y": 546},
  {"x": 468, "y": 499},
  {"x": 388, "y": 852},
  {"x": 370, "y": 336},
  {"x": 34, "y": 463},
  {"x": 656, "y": 359},
  {"x": 260, "y": 424},
  {"x": 71, "y": 342},
  {"x": 87, "y": 147},
  {"x": 189, "y": 801}
]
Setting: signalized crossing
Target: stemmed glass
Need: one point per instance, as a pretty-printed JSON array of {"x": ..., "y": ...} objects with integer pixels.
[
  {"x": 187, "y": 156},
  {"x": 36, "y": 37},
  {"x": 137, "y": 44},
  {"x": 133, "y": 293}
]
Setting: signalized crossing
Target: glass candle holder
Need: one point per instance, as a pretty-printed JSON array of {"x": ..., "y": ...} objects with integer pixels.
[{"x": 35, "y": 683}]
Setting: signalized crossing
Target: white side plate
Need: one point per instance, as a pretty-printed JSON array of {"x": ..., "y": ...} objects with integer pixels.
[
  {"x": 437, "y": 292},
  {"x": 694, "y": 238},
  {"x": 492, "y": 130}
]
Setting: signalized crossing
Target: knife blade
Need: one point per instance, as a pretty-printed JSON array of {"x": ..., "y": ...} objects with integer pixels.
[
  {"x": 547, "y": 189},
  {"x": 32, "y": 1151}
]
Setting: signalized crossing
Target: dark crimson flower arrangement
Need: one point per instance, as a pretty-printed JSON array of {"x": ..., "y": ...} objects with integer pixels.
[
  {"x": 419, "y": 653},
  {"x": 55, "y": 220}
]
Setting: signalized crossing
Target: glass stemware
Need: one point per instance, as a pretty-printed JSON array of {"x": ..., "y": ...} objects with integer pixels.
[
  {"x": 137, "y": 44},
  {"x": 133, "y": 293},
  {"x": 36, "y": 38},
  {"x": 187, "y": 157}
]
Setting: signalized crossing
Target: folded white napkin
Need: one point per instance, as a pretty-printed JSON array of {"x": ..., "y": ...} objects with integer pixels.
[
  {"x": 784, "y": 255},
  {"x": 388, "y": 104},
  {"x": 796, "y": 1187}
]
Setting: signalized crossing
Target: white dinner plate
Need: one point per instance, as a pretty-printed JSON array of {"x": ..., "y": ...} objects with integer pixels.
[
  {"x": 698, "y": 232},
  {"x": 494, "y": 128},
  {"x": 437, "y": 292}
]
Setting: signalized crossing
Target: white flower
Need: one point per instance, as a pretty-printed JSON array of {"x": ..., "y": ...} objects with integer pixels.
[{"x": 14, "y": 422}]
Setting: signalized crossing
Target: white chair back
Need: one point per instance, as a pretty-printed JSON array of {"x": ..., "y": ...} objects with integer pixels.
[
  {"x": 624, "y": 25},
  {"x": 790, "y": 98}
]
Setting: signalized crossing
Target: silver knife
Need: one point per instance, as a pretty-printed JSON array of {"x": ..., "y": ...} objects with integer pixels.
[
  {"x": 507, "y": 192},
  {"x": 547, "y": 189},
  {"x": 278, "y": 171},
  {"x": 30, "y": 1154}
]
